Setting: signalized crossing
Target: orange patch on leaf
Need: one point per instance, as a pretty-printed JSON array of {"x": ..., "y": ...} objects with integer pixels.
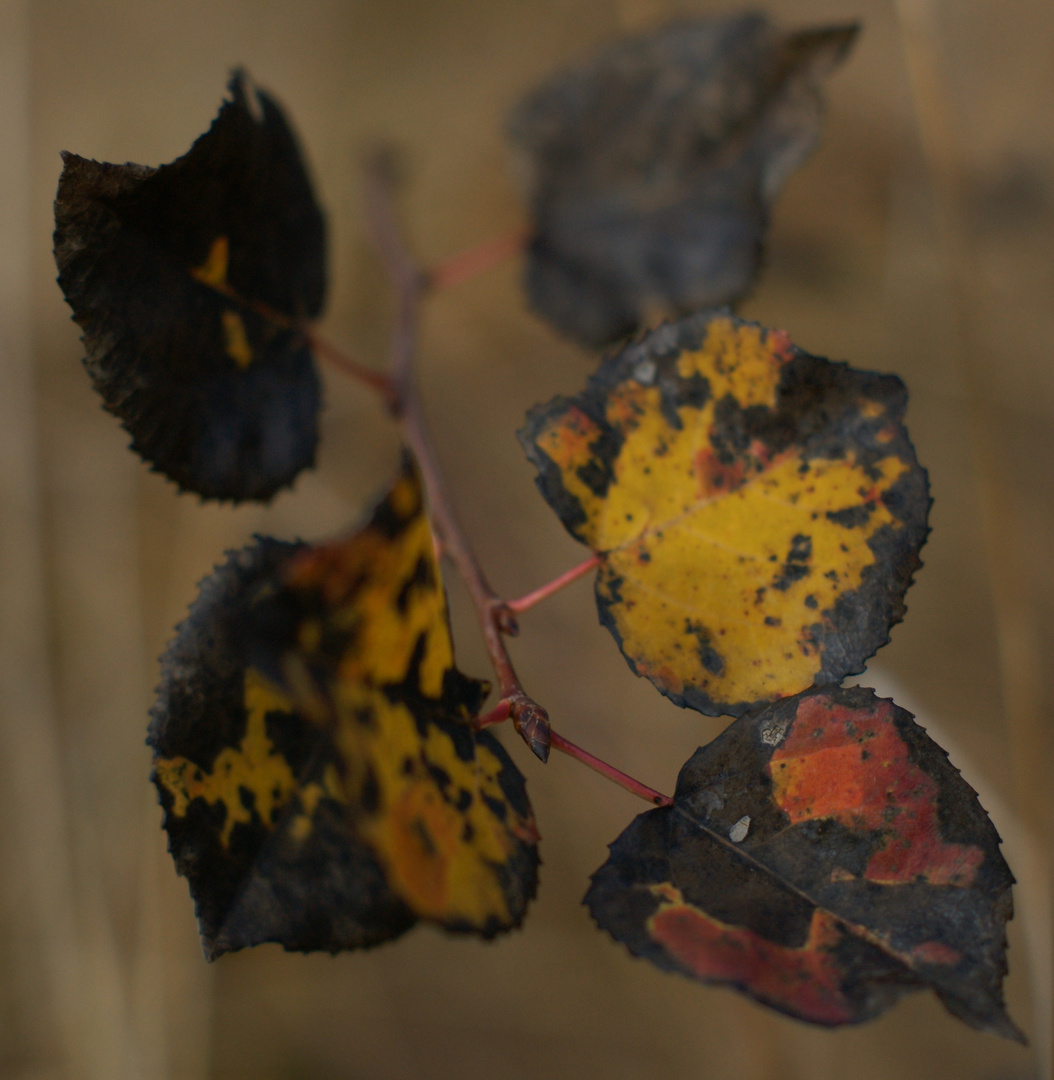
[
  {"x": 805, "y": 981},
  {"x": 424, "y": 836},
  {"x": 335, "y": 568},
  {"x": 715, "y": 477},
  {"x": 661, "y": 673},
  {"x": 853, "y": 766},
  {"x": 781, "y": 345},
  {"x": 625, "y": 406},
  {"x": 568, "y": 442}
]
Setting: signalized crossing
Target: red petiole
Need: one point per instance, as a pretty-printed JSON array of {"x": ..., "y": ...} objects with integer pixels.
[
  {"x": 526, "y": 602},
  {"x": 498, "y": 715},
  {"x": 635, "y": 787},
  {"x": 467, "y": 264}
]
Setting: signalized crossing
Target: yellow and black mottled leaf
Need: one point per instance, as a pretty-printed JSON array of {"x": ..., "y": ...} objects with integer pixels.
[
  {"x": 758, "y": 511},
  {"x": 322, "y": 784},
  {"x": 824, "y": 856},
  {"x": 216, "y": 397},
  {"x": 650, "y": 168}
]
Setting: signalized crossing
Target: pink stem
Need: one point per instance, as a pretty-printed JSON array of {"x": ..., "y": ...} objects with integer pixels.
[
  {"x": 528, "y": 717},
  {"x": 635, "y": 787},
  {"x": 526, "y": 602},
  {"x": 498, "y": 715},
  {"x": 474, "y": 260},
  {"x": 376, "y": 380}
]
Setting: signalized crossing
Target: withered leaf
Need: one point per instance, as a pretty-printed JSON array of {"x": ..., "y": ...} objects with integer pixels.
[
  {"x": 650, "y": 169},
  {"x": 322, "y": 784},
  {"x": 758, "y": 511},
  {"x": 824, "y": 856},
  {"x": 167, "y": 271}
]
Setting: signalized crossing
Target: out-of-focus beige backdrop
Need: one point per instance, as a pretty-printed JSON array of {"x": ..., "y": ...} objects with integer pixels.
[{"x": 916, "y": 240}]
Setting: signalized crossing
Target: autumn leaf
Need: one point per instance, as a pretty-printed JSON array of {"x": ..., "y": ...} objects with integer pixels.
[
  {"x": 322, "y": 783},
  {"x": 824, "y": 856},
  {"x": 758, "y": 511},
  {"x": 167, "y": 271},
  {"x": 650, "y": 169}
]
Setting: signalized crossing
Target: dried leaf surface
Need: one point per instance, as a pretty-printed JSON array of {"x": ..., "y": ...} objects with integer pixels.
[
  {"x": 824, "y": 856},
  {"x": 650, "y": 169},
  {"x": 758, "y": 511},
  {"x": 215, "y": 396},
  {"x": 321, "y": 782}
]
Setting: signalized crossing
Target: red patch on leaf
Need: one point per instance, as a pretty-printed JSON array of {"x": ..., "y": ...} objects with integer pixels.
[
  {"x": 935, "y": 952},
  {"x": 854, "y": 767},
  {"x": 781, "y": 345},
  {"x": 334, "y": 568},
  {"x": 805, "y": 981},
  {"x": 717, "y": 477}
]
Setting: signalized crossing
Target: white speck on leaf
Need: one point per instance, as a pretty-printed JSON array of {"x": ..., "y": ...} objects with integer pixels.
[
  {"x": 644, "y": 372},
  {"x": 709, "y": 801},
  {"x": 772, "y": 734},
  {"x": 738, "y": 833}
]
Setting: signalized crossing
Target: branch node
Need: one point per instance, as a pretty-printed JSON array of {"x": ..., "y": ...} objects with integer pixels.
[
  {"x": 532, "y": 723},
  {"x": 506, "y": 619}
]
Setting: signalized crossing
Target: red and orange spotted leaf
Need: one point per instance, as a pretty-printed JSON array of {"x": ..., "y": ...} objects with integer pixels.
[
  {"x": 824, "y": 856},
  {"x": 167, "y": 271},
  {"x": 758, "y": 511},
  {"x": 323, "y": 786},
  {"x": 650, "y": 168}
]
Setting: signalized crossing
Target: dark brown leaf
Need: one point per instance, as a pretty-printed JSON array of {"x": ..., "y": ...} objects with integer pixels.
[
  {"x": 216, "y": 396},
  {"x": 824, "y": 856}
]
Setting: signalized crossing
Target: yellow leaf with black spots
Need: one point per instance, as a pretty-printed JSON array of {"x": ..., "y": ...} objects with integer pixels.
[
  {"x": 189, "y": 281},
  {"x": 322, "y": 783},
  {"x": 758, "y": 512}
]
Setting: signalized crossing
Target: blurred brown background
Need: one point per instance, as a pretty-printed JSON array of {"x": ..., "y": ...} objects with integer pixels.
[{"x": 916, "y": 240}]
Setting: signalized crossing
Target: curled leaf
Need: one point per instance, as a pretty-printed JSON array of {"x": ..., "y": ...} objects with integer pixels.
[
  {"x": 650, "y": 169},
  {"x": 188, "y": 281},
  {"x": 758, "y": 511},
  {"x": 322, "y": 784},
  {"x": 824, "y": 856}
]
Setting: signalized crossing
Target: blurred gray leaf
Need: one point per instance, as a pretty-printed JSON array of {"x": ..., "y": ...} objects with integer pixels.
[{"x": 650, "y": 168}]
